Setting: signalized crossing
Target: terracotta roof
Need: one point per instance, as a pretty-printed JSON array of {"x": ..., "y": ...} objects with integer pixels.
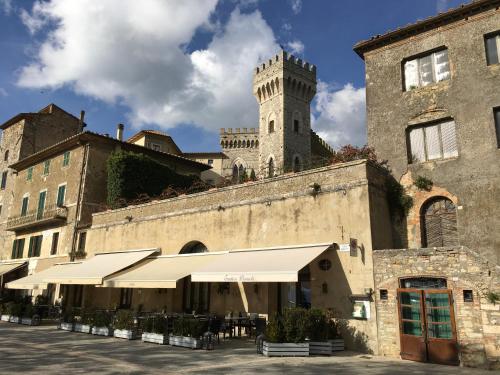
[
  {"x": 138, "y": 135},
  {"x": 421, "y": 26},
  {"x": 89, "y": 136},
  {"x": 47, "y": 110}
]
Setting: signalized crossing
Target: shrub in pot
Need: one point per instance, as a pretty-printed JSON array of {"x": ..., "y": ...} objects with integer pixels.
[
  {"x": 15, "y": 312},
  {"x": 67, "y": 320},
  {"x": 30, "y": 315},
  {"x": 187, "y": 332},
  {"x": 124, "y": 325},
  {"x": 286, "y": 335},
  {"x": 6, "y": 311},
  {"x": 101, "y": 323},
  {"x": 155, "y": 329},
  {"x": 84, "y": 322}
]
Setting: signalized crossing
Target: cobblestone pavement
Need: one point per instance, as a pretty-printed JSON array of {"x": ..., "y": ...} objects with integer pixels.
[{"x": 46, "y": 350}]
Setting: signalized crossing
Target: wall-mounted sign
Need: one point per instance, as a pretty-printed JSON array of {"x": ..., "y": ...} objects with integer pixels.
[
  {"x": 361, "y": 310},
  {"x": 344, "y": 247}
]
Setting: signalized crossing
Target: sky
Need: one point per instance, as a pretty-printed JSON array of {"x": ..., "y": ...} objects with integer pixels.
[{"x": 185, "y": 67}]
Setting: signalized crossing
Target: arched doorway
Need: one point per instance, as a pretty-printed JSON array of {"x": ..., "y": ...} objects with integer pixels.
[
  {"x": 196, "y": 296},
  {"x": 439, "y": 223}
]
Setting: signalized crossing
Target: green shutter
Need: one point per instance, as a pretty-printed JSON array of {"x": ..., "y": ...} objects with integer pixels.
[
  {"x": 38, "y": 247},
  {"x": 66, "y": 159},
  {"x": 24, "y": 207},
  {"x": 14, "y": 248},
  {"x": 29, "y": 175},
  {"x": 20, "y": 247},
  {"x": 46, "y": 167},
  {"x": 30, "y": 248},
  {"x": 60, "y": 195},
  {"x": 41, "y": 205}
]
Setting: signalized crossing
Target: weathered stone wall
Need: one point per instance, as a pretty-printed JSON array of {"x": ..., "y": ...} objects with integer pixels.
[
  {"x": 477, "y": 322},
  {"x": 241, "y": 146},
  {"x": 274, "y": 212},
  {"x": 469, "y": 98}
]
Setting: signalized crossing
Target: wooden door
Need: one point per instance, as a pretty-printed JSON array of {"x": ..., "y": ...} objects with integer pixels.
[
  {"x": 440, "y": 327},
  {"x": 411, "y": 325},
  {"x": 427, "y": 326}
]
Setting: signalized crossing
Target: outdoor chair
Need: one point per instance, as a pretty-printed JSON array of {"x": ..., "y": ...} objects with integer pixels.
[
  {"x": 215, "y": 326},
  {"x": 260, "y": 327}
]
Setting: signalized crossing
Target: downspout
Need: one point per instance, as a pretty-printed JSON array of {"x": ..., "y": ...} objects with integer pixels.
[{"x": 79, "y": 203}]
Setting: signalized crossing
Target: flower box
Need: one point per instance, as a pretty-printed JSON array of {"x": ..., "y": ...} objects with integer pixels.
[
  {"x": 272, "y": 349},
  {"x": 186, "y": 342},
  {"x": 156, "y": 338},
  {"x": 102, "y": 331},
  {"x": 14, "y": 319},
  {"x": 5, "y": 318},
  {"x": 34, "y": 321},
  {"x": 83, "y": 328},
  {"x": 125, "y": 334},
  {"x": 66, "y": 326}
]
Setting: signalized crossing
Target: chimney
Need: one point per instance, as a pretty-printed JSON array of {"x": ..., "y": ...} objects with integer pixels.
[
  {"x": 119, "y": 132},
  {"x": 81, "y": 123}
]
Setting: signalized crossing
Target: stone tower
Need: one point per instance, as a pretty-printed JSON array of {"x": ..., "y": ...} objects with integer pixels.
[{"x": 284, "y": 88}]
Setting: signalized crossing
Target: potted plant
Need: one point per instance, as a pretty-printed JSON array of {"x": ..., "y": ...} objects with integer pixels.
[
  {"x": 155, "y": 330},
  {"x": 83, "y": 323},
  {"x": 16, "y": 310},
  {"x": 67, "y": 320},
  {"x": 286, "y": 335},
  {"x": 30, "y": 315},
  {"x": 5, "y": 311},
  {"x": 101, "y": 324},
  {"x": 188, "y": 332},
  {"x": 124, "y": 325}
]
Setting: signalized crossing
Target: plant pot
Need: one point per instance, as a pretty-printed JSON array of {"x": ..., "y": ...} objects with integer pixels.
[
  {"x": 67, "y": 326},
  {"x": 273, "y": 349},
  {"x": 337, "y": 345},
  {"x": 102, "y": 331},
  {"x": 83, "y": 328},
  {"x": 14, "y": 319},
  {"x": 125, "y": 334},
  {"x": 34, "y": 321},
  {"x": 5, "y": 318},
  {"x": 156, "y": 338},
  {"x": 186, "y": 342}
]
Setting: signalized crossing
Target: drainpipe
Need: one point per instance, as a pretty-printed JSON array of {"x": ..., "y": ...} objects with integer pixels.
[{"x": 79, "y": 203}]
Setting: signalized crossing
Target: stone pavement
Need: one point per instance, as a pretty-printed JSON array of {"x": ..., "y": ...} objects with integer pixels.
[{"x": 46, "y": 350}]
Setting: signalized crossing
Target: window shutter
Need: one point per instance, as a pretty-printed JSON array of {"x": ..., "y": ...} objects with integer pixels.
[
  {"x": 60, "y": 195},
  {"x": 417, "y": 147},
  {"x": 30, "y": 248},
  {"x": 411, "y": 74},
  {"x": 425, "y": 69},
  {"x": 14, "y": 249},
  {"x": 432, "y": 142},
  {"x": 441, "y": 65},
  {"x": 492, "y": 50},
  {"x": 449, "y": 139},
  {"x": 20, "y": 248}
]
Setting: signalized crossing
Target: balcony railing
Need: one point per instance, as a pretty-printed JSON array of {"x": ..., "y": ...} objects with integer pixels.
[{"x": 50, "y": 215}]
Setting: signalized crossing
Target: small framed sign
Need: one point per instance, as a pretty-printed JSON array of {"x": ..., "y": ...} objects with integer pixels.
[{"x": 344, "y": 247}]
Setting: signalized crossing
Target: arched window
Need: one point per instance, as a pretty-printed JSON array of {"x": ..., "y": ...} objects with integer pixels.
[
  {"x": 439, "y": 223},
  {"x": 271, "y": 126},
  {"x": 296, "y": 165},
  {"x": 235, "y": 173},
  {"x": 241, "y": 173},
  {"x": 193, "y": 247},
  {"x": 270, "y": 168}
]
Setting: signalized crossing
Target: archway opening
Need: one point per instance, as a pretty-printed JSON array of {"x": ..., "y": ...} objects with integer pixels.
[{"x": 195, "y": 296}]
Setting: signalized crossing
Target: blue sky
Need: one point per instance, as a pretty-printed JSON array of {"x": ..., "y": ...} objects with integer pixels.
[{"x": 186, "y": 67}]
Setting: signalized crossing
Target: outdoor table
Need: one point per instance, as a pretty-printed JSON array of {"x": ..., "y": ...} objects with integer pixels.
[{"x": 235, "y": 322}]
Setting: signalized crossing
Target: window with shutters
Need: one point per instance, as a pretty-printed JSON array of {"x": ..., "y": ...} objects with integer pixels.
[
  {"x": 432, "y": 141},
  {"x": 492, "y": 43},
  {"x": 439, "y": 223},
  {"x": 66, "y": 157},
  {"x": 61, "y": 194},
  {"x": 17, "y": 248},
  {"x": 55, "y": 243},
  {"x": 29, "y": 174},
  {"x": 46, "y": 167},
  {"x": 24, "y": 206},
  {"x": 35, "y": 246},
  {"x": 426, "y": 69},
  {"x": 82, "y": 242}
]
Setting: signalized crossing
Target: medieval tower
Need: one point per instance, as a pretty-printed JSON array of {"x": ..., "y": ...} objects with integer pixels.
[{"x": 284, "y": 88}]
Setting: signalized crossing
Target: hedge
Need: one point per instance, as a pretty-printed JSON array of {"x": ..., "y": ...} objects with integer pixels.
[{"x": 130, "y": 175}]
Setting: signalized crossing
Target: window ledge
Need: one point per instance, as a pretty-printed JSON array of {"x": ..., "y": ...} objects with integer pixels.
[
  {"x": 442, "y": 85},
  {"x": 430, "y": 162}
]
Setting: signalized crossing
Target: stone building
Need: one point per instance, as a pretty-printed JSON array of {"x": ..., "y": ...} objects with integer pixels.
[{"x": 433, "y": 104}]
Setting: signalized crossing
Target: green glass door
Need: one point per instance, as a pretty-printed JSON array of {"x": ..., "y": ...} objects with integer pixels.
[
  {"x": 411, "y": 325},
  {"x": 41, "y": 205}
]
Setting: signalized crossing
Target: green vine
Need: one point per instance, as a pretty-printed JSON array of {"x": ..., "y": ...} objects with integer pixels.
[
  {"x": 399, "y": 201},
  {"x": 493, "y": 297}
]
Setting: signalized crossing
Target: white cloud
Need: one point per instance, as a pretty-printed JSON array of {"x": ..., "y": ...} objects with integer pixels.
[
  {"x": 296, "y": 6},
  {"x": 441, "y": 5},
  {"x": 296, "y": 47},
  {"x": 6, "y": 6},
  {"x": 340, "y": 114},
  {"x": 133, "y": 53}
]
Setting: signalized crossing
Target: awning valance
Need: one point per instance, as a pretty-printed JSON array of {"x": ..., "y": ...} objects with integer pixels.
[
  {"x": 92, "y": 271},
  {"x": 161, "y": 272},
  {"x": 10, "y": 266},
  {"x": 37, "y": 280},
  {"x": 260, "y": 265}
]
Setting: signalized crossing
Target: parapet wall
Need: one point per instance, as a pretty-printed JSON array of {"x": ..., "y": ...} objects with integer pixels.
[
  {"x": 288, "y": 62},
  {"x": 239, "y": 138}
]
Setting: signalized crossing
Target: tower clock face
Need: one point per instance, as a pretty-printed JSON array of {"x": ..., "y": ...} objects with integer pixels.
[{"x": 325, "y": 264}]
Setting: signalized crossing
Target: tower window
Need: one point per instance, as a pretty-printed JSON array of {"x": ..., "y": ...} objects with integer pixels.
[
  {"x": 296, "y": 126},
  {"x": 271, "y": 126},
  {"x": 271, "y": 168},
  {"x": 4, "y": 180},
  {"x": 492, "y": 48},
  {"x": 6, "y": 156},
  {"x": 296, "y": 164}
]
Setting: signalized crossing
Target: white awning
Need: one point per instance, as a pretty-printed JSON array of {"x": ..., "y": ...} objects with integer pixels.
[
  {"x": 260, "y": 265},
  {"x": 10, "y": 266},
  {"x": 92, "y": 271},
  {"x": 161, "y": 272},
  {"x": 37, "y": 280}
]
